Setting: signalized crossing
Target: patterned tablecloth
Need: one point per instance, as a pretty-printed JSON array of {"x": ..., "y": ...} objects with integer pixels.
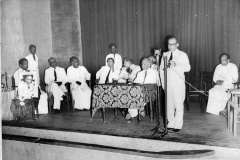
[{"x": 122, "y": 96}]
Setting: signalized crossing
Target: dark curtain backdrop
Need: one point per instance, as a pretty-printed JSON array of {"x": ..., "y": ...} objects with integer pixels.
[{"x": 204, "y": 28}]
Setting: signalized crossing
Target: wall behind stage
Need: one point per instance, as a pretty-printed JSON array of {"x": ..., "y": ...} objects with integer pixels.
[
  {"x": 53, "y": 25},
  {"x": 204, "y": 29},
  {"x": 66, "y": 30},
  {"x": 25, "y": 22}
]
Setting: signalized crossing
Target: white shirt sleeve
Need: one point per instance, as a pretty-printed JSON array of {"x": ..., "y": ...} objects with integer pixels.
[
  {"x": 234, "y": 73},
  {"x": 216, "y": 75},
  {"x": 47, "y": 77},
  {"x": 16, "y": 78},
  {"x": 70, "y": 75},
  {"x": 87, "y": 75},
  {"x": 182, "y": 63}
]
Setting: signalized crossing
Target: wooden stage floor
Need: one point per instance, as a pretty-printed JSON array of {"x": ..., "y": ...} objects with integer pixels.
[{"x": 199, "y": 128}]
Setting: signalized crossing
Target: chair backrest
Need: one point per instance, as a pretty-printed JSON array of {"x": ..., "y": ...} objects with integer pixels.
[{"x": 206, "y": 80}]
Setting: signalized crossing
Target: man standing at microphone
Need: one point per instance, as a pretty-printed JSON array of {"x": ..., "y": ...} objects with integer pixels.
[{"x": 178, "y": 64}]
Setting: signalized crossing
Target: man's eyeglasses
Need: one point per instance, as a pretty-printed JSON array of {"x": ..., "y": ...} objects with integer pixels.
[{"x": 172, "y": 44}]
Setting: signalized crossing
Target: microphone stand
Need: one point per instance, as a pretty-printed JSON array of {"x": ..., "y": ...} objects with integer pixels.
[{"x": 158, "y": 129}]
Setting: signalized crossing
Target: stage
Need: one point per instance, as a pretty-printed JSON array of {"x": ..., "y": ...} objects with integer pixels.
[{"x": 199, "y": 128}]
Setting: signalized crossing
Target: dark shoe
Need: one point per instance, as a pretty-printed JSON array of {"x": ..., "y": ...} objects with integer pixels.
[{"x": 174, "y": 129}]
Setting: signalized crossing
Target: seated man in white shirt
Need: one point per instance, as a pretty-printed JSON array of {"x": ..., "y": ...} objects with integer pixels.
[
  {"x": 81, "y": 93},
  {"x": 55, "y": 79},
  {"x": 146, "y": 76},
  {"x": 128, "y": 72},
  {"x": 107, "y": 74},
  {"x": 224, "y": 76}
]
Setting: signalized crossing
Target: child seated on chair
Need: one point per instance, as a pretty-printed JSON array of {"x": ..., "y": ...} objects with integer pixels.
[{"x": 22, "y": 106}]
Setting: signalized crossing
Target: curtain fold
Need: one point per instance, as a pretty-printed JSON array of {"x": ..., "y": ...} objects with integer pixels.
[{"x": 204, "y": 29}]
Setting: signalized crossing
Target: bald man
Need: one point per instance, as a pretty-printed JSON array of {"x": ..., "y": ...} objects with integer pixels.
[{"x": 146, "y": 76}]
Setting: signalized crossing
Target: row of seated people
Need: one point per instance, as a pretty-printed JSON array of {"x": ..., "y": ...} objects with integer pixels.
[{"x": 56, "y": 79}]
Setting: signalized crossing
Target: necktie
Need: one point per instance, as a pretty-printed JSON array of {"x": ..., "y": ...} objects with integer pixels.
[
  {"x": 55, "y": 75},
  {"x": 34, "y": 57},
  {"x": 107, "y": 79},
  {"x": 135, "y": 76},
  {"x": 171, "y": 57},
  {"x": 145, "y": 76}
]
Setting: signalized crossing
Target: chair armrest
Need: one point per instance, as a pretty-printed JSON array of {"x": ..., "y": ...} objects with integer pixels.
[{"x": 89, "y": 82}]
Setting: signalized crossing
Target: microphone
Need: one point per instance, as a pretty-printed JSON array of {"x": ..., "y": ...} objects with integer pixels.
[
  {"x": 170, "y": 59},
  {"x": 157, "y": 52}
]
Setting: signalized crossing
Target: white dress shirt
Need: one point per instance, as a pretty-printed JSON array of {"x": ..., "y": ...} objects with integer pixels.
[
  {"x": 148, "y": 76},
  {"x": 227, "y": 73},
  {"x": 60, "y": 72}
]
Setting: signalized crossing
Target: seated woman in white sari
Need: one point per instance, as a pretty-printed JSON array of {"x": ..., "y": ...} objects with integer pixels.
[
  {"x": 107, "y": 74},
  {"x": 128, "y": 72},
  {"x": 55, "y": 79},
  {"x": 146, "y": 76},
  {"x": 81, "y": 93},
  {"x": 224, "y": 76}
]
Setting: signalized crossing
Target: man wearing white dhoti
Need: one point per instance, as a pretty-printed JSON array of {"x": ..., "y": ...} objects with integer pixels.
[
  {"x": 113, "y": 53},
  {"x": 107, "y": 73},
  {"x": 225, "y": 75},
  {"x": 178, "y": 64},
  {"x": 81, "y": 93},
  {"x": 128, "y": 72},
  {"x": 55, "y": 79},
  {"x": 146, "y": 76}
]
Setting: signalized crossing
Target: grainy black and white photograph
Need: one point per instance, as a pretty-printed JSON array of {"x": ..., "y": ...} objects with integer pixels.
[{"x": 120, "y": 79}]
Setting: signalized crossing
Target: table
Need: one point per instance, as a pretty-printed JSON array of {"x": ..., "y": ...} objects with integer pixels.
[
  {"x": 7, "y": 97},
  {"x": 233, "y": 109},
  {"x": 134, "y": 96}
]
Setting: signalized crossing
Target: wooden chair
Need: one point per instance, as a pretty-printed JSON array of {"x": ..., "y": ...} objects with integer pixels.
[
  {"x": 206, "y": 83},
  {"x": 233, "y": 108},
  {"x": 233, "y": 112}
]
